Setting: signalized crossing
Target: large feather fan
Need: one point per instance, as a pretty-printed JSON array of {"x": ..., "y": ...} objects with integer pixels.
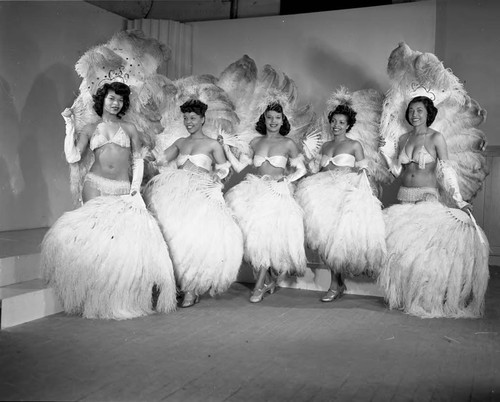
[
  {"x": 132, "y": 58},
  {"x": 414, "y": 73},
  {"x": 252, "y": 90}
]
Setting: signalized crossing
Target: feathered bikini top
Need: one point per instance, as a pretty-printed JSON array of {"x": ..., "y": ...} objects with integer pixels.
[
  {"x": 119, "y": 138},
  {"x": 200, "y": 160},
  {"x": 423, "y": 156},
  {"x": 343, "y": 160},
  {"x": 278, "y": 161}
]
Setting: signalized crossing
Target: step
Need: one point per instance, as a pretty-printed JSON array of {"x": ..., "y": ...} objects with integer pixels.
[
  {"x": 19, "y": 268},
  {"x": 21, "y": 242},
  {"x": 27, "y": 301},
  {"x": 20, "y": 255}
]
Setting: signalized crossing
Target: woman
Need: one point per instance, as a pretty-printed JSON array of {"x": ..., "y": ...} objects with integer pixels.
[
  {"x": 112, "y": 141},
  {"x": 264, "y": 206},
  {"x": 205, "y": 242},
  {"x": 343, "y": 219},
  {"x": 106, "y": 258},
  {"x": 437, "y": 265}
]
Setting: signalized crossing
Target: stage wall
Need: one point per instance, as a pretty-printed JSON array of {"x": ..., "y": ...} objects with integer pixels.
[
  {"x": 40, "y": 42},
  {"x": 319, "y": 51}
]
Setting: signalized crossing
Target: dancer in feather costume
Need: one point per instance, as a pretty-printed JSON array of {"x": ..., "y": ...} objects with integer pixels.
[
  {"x": 107, "y": 257},
  {"x": 204, "y": 239},
  {"x": 269, "y": 216},
  {"x": 342, "y": 216},
  {"x": 437, "y": 263}
]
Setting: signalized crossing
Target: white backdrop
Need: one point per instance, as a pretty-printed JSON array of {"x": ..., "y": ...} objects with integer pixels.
[{"x": 319, "y": 51}]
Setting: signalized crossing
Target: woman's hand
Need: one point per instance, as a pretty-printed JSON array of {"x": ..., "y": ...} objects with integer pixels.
[
  {"x": 149, "y": 157},
  {"x": 68, "y": 112},
  {"x": 467, "y": 208}
]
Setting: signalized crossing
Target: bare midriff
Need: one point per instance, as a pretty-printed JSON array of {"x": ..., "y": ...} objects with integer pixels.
[
  {"x": 112, "y": 162},
  {"x": 413, "y": 176}
]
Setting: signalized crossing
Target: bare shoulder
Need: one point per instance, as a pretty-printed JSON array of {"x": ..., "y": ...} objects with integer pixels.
[
  {"x": 356, "y": 144},
  {"x": 180, "y": 141},
  {"x": 438, "y": 139},
  {"x": 325, "y": 146},
  {"x": 254, "y": 141},
  {"x": 130, "y": 128},
  {"x": 403, "y": 138},
  {"x": 214, "y": 144},
  {"x": 435, "y": 135},
  {"x": 88, "y": 129},
  {"x": 290, "y": 143}
]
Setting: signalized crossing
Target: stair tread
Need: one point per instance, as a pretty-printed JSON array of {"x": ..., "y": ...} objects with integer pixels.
[
  {"x": 21, "y": 242},
  {"x": 20, "y": 288}
]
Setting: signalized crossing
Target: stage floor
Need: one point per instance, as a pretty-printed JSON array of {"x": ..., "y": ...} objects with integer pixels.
[{"x": 290, "y": 347}]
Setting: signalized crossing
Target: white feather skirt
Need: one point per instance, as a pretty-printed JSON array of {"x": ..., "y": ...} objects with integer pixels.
[
  {"x": 271, "y": 222},
  {"x": 343, "y": 220},
  {"x": 104, "y": 259},
  {"x": 437, "y": 264},
  {"x": 205, "y": 242}
]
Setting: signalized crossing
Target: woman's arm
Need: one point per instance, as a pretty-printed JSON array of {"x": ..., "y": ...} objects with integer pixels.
[
  {"x": 315, "y": 163},
  {"x": 390, "y": 151},
  {"x": 222, "y": 165},
  {"x": 72, "y": 150},
  {"x": 296, "y": 160},
  {"x": 359, "y": 155},
  {"x": 84, "y": 138},
  {"x": 138, "y": 160},
  {"x": 445, "y": 170},
  {"x": 171, "y": 153},
  {"x": 237, "y": 164}
]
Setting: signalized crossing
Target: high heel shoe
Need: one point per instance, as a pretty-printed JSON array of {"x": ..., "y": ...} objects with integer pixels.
[
  {"x": 258, "y": 294},
  {"x": 334, "y": 294},
  {"x": 190, "y": 299}
]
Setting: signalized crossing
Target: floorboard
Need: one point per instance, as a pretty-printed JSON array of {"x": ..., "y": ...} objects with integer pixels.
[{"x": 290, "y": 347}]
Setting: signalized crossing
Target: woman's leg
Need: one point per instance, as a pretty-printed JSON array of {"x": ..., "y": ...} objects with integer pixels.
[
  {"x": 89, "y": 191},
  {"x": 261, "y": 279},
  {"x": 264, "y": 284},
  {"x": 190, "y": 299},
  {"x": 341, "y": 287},
  {"x": 337, "y": 287}
]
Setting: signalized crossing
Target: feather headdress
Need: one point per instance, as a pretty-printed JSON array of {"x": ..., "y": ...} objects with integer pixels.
[
  {"x": 342, "y": 96},
  {"x": 275, "y": 97}
]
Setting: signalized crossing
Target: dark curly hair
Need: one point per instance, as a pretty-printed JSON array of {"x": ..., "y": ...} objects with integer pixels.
[
  {"x": 260, "y": 126},
  {"x": 347, "y": 112},
  {"x": 194, "y": 106},
  {"x": 120, "y": 89},
  {"x": 432, "y": 110}
]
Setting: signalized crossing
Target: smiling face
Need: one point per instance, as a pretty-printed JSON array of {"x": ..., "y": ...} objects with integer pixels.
[
  {"x": 113, "y": 103},
  {"x": 417, "y": 114},
  {"x": 339, "y": 124},
  {"x": 193, "y": 122},
  {"x": 274, "y": 121}
]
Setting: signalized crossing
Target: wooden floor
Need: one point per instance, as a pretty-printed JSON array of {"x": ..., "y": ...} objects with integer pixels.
[{"x": 290, "y": 347}]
